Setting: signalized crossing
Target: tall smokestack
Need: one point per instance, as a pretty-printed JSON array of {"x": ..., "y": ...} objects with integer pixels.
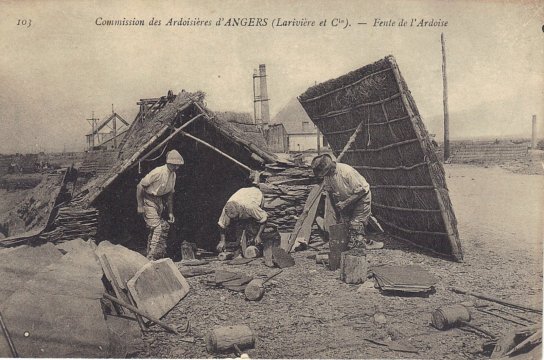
[{"x": 265, "y": 113}]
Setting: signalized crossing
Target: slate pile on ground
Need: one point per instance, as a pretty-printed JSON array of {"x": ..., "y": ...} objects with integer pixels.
[{"x": 285, "y": 191}]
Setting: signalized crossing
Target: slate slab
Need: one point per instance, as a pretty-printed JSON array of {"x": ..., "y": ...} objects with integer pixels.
[{"x": 157, "y": 287}]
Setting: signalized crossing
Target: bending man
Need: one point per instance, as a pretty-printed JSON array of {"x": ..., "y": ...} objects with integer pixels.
[
  {"x": 351, "y": 193},
  {"x": 153, "y": 191},
  {"x": 243, "y": 211}
]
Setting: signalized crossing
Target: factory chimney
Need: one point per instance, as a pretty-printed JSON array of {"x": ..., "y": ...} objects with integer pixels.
[{"x": 265, "y": 113}]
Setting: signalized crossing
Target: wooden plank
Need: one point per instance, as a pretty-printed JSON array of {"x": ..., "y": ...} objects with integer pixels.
[
  {"x": 157, "y": 287},
  {"x": 125, "y": 263},
  {"x": 301, "y": 232},
  {"x": 330, "y": 213}
]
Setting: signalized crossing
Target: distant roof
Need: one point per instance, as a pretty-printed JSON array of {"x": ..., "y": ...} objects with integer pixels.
[
  {"x": 292, "y": 115},
  {"x": 106, "y": 120},
  {"x": 146, "y": 132}
]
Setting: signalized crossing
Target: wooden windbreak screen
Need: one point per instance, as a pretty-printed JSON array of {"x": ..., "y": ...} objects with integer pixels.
[{"x": 370, "y": 117}]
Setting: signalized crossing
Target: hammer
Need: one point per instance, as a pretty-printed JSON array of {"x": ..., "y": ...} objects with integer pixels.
[{"x": 255, "y": 289}]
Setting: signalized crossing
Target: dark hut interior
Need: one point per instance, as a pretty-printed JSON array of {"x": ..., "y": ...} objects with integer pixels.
[{"x": 203, "y": 185}]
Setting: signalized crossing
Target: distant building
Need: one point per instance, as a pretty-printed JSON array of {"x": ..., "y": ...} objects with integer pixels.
[
  {"x": 108, "y": 134},
  {"x": 301, "y": 130}
]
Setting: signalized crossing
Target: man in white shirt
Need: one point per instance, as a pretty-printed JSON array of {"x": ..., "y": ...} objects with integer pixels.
[
  {"x": 352, "y": 194},
  {"x": 152, "y": 192},
  {"x": 244, "y": 211}
]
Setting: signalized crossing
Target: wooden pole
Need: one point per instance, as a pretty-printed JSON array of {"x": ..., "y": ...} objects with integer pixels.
[
  {"x": 216, "y": 150},
  {"x": 497, "y": 300},
  {"x": 140, "y": 312},
  {"x": 533, "y": 138},
  {"x": 318, "y": 142},
  {"x": 445, "y": 100},
  {"x": 8, "y": 338},
  {"x": 162, "y": 143}
]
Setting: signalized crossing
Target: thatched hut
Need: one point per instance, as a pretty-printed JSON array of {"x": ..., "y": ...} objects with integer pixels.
[
  {"x": 371, "y": 121},
  {"x": 218, "y": 157}
]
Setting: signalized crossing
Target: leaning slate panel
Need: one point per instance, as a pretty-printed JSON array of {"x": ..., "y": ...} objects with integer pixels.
[{"x": 371, "y": 121}]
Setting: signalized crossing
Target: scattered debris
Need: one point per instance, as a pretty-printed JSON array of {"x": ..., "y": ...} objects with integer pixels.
[
  {"x": 394, "y": 345},
  {"x": 379, "y": 318},
  {"x": 225, "y": 255},
  {"x": 193, "y": 262},
  {"x": 254, "y": 291},
  {"x": 194, "y": 271},
  {"x": 282, "y": 258},
  {"x": 527, "y": 339},
  {"x": 239, "y": 261}
]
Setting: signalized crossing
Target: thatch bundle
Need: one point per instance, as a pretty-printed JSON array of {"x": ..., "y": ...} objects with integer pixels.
[{"x": 392, "y": 150}]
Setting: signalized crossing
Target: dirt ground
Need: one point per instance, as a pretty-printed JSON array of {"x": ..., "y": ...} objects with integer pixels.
[{"x": 308, "y": 313}]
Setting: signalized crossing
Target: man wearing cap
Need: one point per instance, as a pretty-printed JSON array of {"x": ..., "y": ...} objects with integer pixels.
[
  {"x": 152, "y": 192},
  {"x": 351, "y": 192}
]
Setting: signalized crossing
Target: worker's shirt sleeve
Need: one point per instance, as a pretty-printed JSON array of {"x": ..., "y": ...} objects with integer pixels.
[
  {"x": 224, "y": 220},
  {"x": 356, "y": 182},
  {"x": 257, "y": 213},
  {"x": 150, "y": 178}
]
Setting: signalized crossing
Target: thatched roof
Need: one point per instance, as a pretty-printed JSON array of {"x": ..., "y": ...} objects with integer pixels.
[
  {"x": 148, "y": 131},
  {"x": 244, "y": 123},
  {"x": 372, "y": 111}
]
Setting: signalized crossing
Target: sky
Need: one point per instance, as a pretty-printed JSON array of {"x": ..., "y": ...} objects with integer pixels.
[{"x": 57, "y": 71}]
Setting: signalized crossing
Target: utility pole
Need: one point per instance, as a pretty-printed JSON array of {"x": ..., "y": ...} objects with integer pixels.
[
  {"x": 114, "y": 128},
  {"x": 533, "y": 137},
  {"x": 445, "y": 99},
  {"x": 93, "y": 121}
]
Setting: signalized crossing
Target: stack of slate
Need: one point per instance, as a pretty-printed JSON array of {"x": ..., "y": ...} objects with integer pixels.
[
  {"x": 76, "y": 222},
  {"x": 285, "y": 192},
  {"x": 404, "y": 278}
]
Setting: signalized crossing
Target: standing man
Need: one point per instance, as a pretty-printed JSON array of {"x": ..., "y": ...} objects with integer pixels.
[
  {"x": 351, "y": 193},
  {"x": 152, "y": 192}
]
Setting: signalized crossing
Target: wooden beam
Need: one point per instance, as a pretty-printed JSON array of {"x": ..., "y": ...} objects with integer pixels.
[
  {"x": 371, "y": 124},
  {"x": 351, "y": 108},
  {"x": 390, "y": 146},
  {"x": 168, "y": 138},
  {"x": 139, "y": 312},
  {"x": 351, "y": 140},
  {"x": 392, "y": 168},
  {"x": 310, "y": 208},
  {"x": 216, "y": 150}
]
